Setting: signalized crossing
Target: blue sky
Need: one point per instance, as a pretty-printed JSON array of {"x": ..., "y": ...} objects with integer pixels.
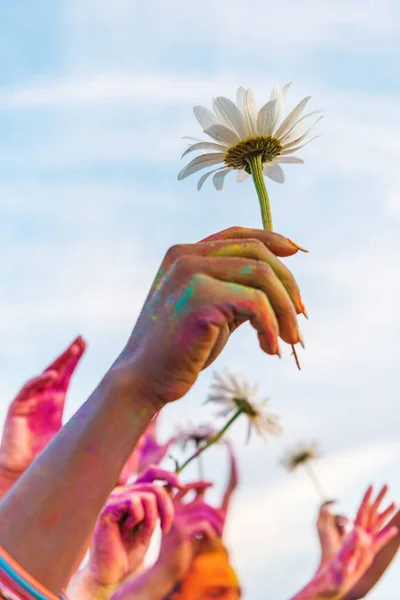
[{"x": 94, "y": 99}]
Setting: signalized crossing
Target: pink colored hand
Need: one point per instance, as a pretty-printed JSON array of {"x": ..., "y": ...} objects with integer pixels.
[
  {"x": 35, "y": 415},
  {"x": 147, "y": 452},
  {"x": 194, "y": 522},
  {"x": 357, "y": 551},
  {"x": 124, "y": 529}
]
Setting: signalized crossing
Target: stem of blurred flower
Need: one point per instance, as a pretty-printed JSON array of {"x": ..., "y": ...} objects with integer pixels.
[
  {"x": 200, "y": 463},
  {"x": 314, "y": 480},
  {"x": 211, "y": 441},
  {"x": 256, "y": 170}
]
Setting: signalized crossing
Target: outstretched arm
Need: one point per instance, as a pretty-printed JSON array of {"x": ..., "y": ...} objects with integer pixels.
[{"x": 201, "y": 294}]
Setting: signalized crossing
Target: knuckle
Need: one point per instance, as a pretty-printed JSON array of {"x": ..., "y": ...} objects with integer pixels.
[
  {"x": 234, "y": 230},
  {"x": 263, "y": 270},
  {"x": 174, "y": 252},
  {"x": 184, "y": 266},
  {"x": 256, "y": 245}
]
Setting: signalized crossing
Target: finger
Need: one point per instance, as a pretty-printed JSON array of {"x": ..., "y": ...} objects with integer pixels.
[
  {"x": 362, "y": 518},
  {"x": 278, "y": 244},
  {"x": 154, "y": 473},
  {"x": 384, "y": 537},
  {"x": 66, "y": 363},
  {"x": 189, "y": 487},
  {"x": 252, "y": 249},
  {"x": 342, "y": 524},
  {"x": 206, "y": 513},
  {"x": 216, "y": 304},
  {"x": 115, "y": 510},
  {"x": 254, "y": 274},
  {"x": 382, "y": 517},
  {"x": 164, "y": 504},
  {"x": 37, "y": 384},
  {"x": 150, "y": 512},
  {"x": 203, "y": 528},
  {"x": 377, "y": 502}
]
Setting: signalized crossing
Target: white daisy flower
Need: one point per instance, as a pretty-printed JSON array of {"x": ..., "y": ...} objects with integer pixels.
[
  {"x": 238, "y": 397},
  {"x": 300, "y": 455},
  {"x": 196, "y": 434},
  {"x": 248, "y": 140}
]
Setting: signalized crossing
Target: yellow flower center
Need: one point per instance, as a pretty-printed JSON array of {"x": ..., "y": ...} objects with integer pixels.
[
  {"x": 267, "y": 146},
  {"x": 245, "y": 406}
]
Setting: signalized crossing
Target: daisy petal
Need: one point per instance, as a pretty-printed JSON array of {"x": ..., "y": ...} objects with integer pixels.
[
  {"x": 292, "y": 131},
  {"x": 240, "y": 97},
  {"x": 288, "y": 159},
  {"x": 205, "y": 117},
  {"x": 277, "y": 95},
  {"x": 292, "y": 118},
  {"x": 275, "y": 172},
  {"x": 204, "y": 146},
  {"x": 250, "y": 113},
  {"x": 294, "y": 149},
  {"x": 219, "y": 178},
  {"x": 200, "y": 162},
  {"x": 242, "y": 176},
  {"x": 189, "y": 137},
  {"x": 204, "y": 178},
  {"x": 265, "y": 118},
  {"x": 230, "y": 115},
  {"x": 285, "y": 90},
  {"x": 223, "y": 134},
  {"x": 302, "y": 137}
]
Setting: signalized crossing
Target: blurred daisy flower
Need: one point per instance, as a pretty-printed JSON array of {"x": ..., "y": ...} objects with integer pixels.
[
  {"x": 237, "y": 398},
  {"x": 196, "y": 434},
  {"x": 303, "y": 455},
  {"x": 250, "y": 141}
]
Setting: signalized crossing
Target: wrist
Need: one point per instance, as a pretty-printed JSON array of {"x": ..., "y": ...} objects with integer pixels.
[
  {"x": 127, "y": 377},
  {"x": 152, "y": 584},
  {"x": 83, "y": 586}
]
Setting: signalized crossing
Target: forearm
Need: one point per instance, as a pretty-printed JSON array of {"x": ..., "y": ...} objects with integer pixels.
[
  {"x": 48, "y": 515},
  {"x": 152, "y": 584}
]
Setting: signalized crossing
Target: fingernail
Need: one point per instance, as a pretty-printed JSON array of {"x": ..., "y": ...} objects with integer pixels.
[
  {"x": 303, "y": 308},
  {"x": 301, "y": 248},
  {"x": 300, "y": 338},
  {"x": 278, "y": 351}
]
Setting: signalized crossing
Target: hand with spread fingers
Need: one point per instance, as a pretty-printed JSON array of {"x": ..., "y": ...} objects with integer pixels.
[
  {"x": 201, "y": 294},
  {"x": 35, "y": 415},
  {"x": 123, "y": 533},
  {"x": 194, "y": 523},
  {"x": 356, "y": 553}
]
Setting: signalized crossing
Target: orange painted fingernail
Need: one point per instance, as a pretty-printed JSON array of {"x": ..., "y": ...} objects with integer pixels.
[
  {"x": 300, "y": 337},
  {"x": 303, "y": 308},
  {"x": 301, "y": 248}
]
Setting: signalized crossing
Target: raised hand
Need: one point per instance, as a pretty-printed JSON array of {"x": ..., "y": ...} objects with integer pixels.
[
  {"x": 202, "y": 293},
  {"x": 194, "y": 522},
  {"x": 357, "y": 551},
  {"x": 35, "y": 415}
]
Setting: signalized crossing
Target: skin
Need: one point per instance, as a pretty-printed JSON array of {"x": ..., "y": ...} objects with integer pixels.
[
  {"x": 192, "y": 520},
  {"x": 331, "y": 535},
  {"x": 35, "y": 415},
  {"x": 232, "y": 482},
  {"x": 123, "y": 533},
  {"x": 356, "y": 552},
  {"x": 195, "y": 303}
]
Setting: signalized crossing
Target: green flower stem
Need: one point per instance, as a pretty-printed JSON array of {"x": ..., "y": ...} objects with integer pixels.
[
  {"x": 211, "y": 441},
  {"x": 256, "y": 170},
  {"x": 314, "y": 480}
]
